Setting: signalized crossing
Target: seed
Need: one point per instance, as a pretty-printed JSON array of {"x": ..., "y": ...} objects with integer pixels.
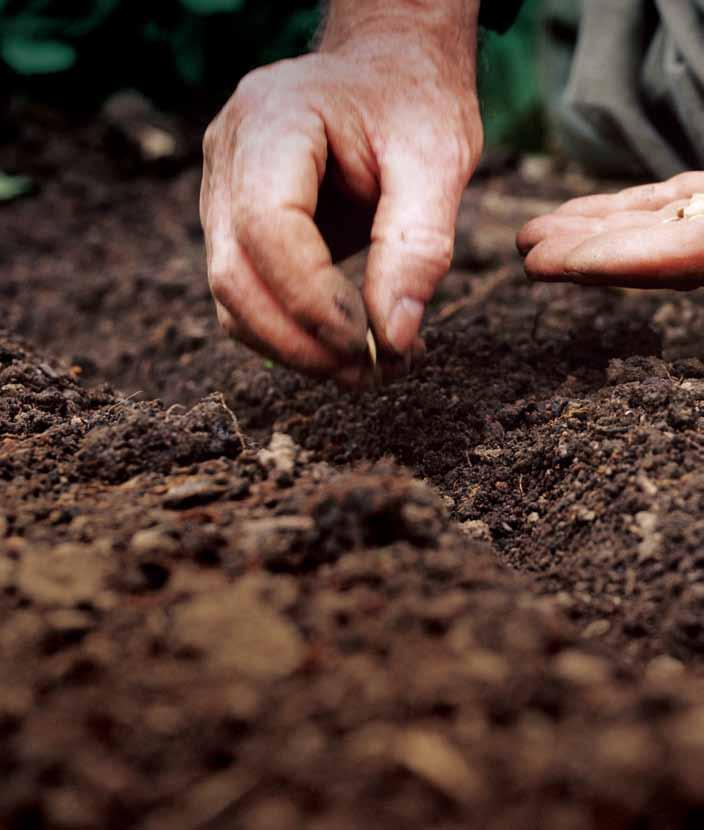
[
  {"x": 371, "y": 345},
  {"x": 694, "y": 210}
]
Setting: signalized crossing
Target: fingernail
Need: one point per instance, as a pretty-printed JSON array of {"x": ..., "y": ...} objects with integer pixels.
[{"x": 403, "y": 323}]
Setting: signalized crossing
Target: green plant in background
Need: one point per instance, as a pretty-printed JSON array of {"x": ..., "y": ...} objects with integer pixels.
[
  {"x": 36, "y": 40},
  {"x": 162, "y": 47},
  {"x": 184, "y": 51},
  {"x": 509, "y": 83},
  {"x": 12, "y": 187}
]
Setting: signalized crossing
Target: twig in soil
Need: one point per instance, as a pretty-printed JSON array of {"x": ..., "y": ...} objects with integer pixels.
[
  {"x": 130, "y": 397},
  {"x": 483, "y": 290},
  {"x": 122, "y": 402},
  {"x": 238, "y": 431},
  {"x": 174, "y": 408}
]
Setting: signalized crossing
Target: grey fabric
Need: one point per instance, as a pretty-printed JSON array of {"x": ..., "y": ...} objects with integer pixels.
[{"x": 634, "y": 97}]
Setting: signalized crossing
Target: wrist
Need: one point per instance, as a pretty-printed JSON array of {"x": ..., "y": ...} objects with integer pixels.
[{"x": 451, "y": 23}]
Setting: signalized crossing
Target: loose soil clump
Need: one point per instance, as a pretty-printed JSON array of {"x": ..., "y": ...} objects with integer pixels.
[{"x": 232, "y": 597}]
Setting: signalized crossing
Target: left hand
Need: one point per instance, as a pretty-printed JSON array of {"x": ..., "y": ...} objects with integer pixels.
[{"x": 623, "y": 239}]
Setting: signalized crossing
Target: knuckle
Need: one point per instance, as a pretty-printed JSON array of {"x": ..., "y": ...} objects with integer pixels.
[
  {"x": 431, "y": 248},
  {"x": 688, "y": 182},
  {"x": 249, "y": 223},
  {"x": 438, "y": 253},
  {"x": 210, "y": 140},
  {"x": 252, "y": 88},
  {"x": 253, "y": 223},
  {"x": 457, "y": 154},
  {"x": 220, "y": 286}
]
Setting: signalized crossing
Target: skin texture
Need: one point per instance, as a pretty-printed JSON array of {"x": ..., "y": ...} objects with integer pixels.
[
  {"x": 623, "y": 239},
  {"x": 371, "y": 139}
]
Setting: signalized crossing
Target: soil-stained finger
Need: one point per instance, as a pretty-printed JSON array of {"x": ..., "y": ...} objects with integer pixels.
[
  {"x": 278, "y": 169},
  {"x": 412, "y": 243},
  {"x": 253, "y": 314}
]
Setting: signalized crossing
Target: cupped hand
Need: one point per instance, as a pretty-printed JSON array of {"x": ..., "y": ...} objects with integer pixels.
[
  {"x": 373, "y": 139},
  {"x": 630, "y": 239}
]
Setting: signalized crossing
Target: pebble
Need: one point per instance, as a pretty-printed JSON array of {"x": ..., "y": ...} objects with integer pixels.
[
  {"x": 664, "y": 669},
  {"x": 236, "y": 630},
  {"x": 192, "y": 493},
  {"x": 66, "y": 576},
  {"x": 280, "y": 457},
  {"x": 152, "y": 540},
  {"x": 596, "y": 629},
  {"x": 262, "y": 539},
  {"x": 580, "y": 669},
  {"x": 68, "y": 619},
  {"x": 645, "y": 527},
  {"x": 480, "y": 531},
  {"x": 432, "y": 757}
]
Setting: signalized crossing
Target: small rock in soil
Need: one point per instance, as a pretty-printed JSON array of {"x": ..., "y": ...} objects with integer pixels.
[
  {"x": 66, "y": 576},
  {"x": 192, "y": 493},
  {"x": 236, "y": 631}
]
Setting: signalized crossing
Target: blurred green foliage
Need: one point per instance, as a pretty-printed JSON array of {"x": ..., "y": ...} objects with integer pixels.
[
  {"x": 12, "y": 187},
  {"x": 176, "y": 51},
  {"x": 183, "y": 53},
  {"x": 509, "y": 83}
]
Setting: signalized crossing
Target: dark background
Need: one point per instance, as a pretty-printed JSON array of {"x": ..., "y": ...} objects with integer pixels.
[{"x": 187, "y": 55}]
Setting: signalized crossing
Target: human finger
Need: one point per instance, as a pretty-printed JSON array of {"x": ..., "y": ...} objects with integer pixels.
[
  {"x": 559, "y": 224},
  {"x": 277, "y": 172},
  {"x": 667, "y": 255},
  {"x": 641, "y": 197},
  {"x": 247, "y": 309},
  {"x": 546, "y": 262},
  {"x": 412, "y": 241}
]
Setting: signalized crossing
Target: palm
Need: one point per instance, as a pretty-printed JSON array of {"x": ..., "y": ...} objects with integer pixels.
[{"x": 631, "y": 239}]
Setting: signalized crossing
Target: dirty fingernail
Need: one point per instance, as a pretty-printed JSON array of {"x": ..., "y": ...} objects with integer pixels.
[{"x": 403, "y": 323}]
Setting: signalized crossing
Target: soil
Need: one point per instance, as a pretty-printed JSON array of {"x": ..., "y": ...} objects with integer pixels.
[{"x": 231, "y": 597}]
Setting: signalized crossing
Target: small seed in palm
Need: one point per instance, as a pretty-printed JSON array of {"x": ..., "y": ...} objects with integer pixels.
[{"x": 695, "y": 208}]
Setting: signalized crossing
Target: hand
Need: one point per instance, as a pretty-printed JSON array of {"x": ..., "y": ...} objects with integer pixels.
[
  {"x": 626, "y": 239},
  {"x": 373, "y": 138}
]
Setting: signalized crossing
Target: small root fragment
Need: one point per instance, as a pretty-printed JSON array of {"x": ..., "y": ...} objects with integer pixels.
[{"x": 235, "y": 422}]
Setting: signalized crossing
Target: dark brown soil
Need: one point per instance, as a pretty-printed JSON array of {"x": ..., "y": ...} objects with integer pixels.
[{"x": 231, "y": 597}]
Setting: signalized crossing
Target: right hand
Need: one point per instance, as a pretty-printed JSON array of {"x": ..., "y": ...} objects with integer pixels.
[{"x": 375, "y": 138}]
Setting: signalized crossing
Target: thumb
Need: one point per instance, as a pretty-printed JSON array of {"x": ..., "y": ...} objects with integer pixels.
[{"x": 412, "y": 244}]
